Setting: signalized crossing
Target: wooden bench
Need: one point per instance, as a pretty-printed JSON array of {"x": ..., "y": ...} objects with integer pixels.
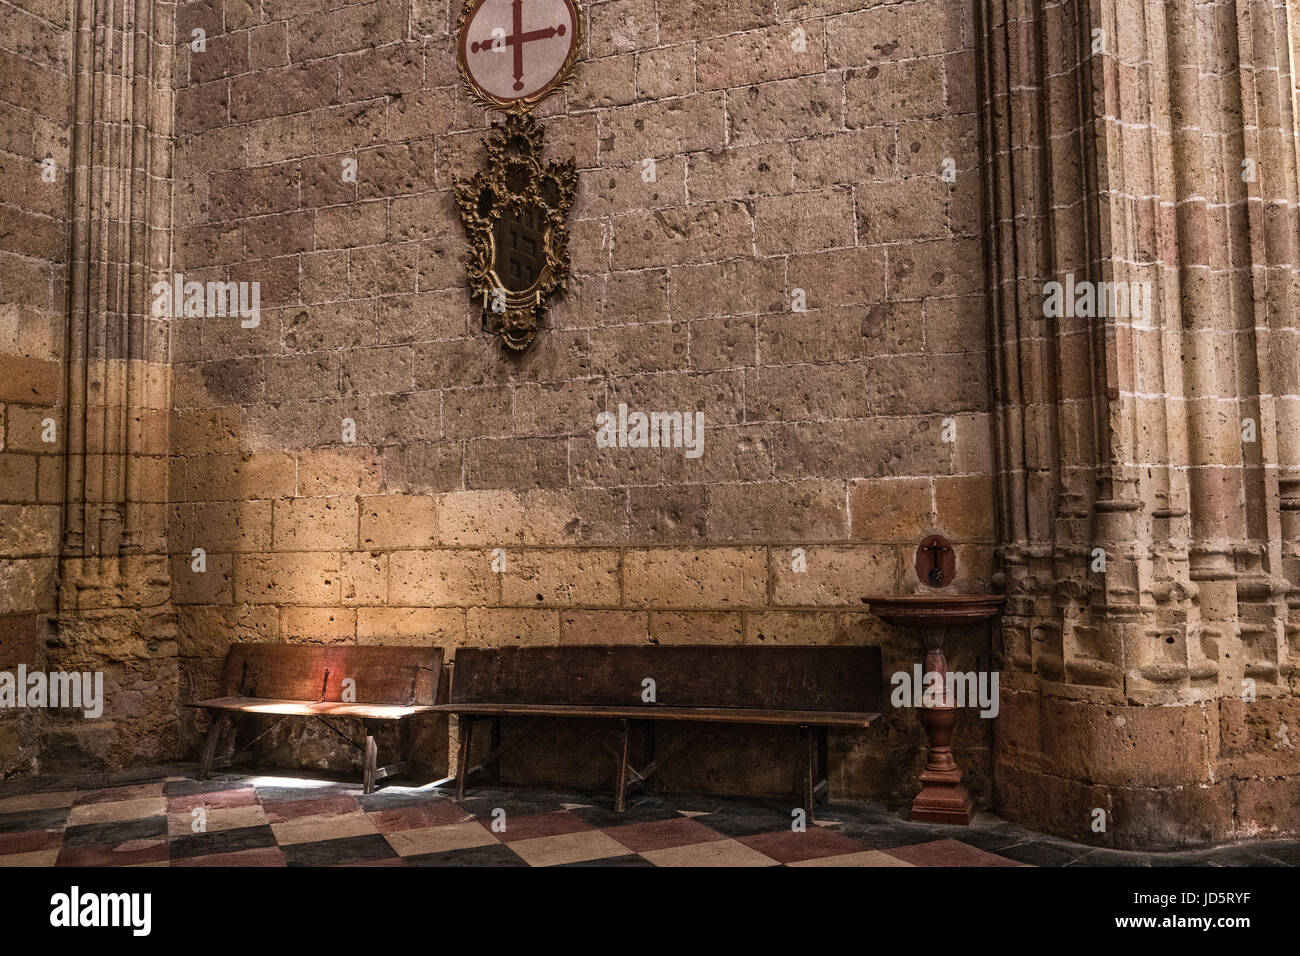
[
  {"x": 303, "y": 680},
  {"x": 811, "y": 688}
]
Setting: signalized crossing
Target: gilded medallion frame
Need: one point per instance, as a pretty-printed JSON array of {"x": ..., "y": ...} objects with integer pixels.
[
  {"x": 526, "y": 103},
  {"x": 517, "y": 195}
]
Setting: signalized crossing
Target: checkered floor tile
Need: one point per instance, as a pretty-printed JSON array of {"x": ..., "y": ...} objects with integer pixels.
[{"x": 264, "y": 820}]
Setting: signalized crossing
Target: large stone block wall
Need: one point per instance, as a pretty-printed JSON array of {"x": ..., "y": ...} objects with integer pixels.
[
  {"x": 35, "y": 106},
  {"x": 365, "y": 465},
  {"x": 776, "y": 170}
]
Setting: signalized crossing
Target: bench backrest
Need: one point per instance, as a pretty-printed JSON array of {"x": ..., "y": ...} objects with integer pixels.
[
  {"x": 847, "y": 679},
  {"x": 383, "y": 675}
]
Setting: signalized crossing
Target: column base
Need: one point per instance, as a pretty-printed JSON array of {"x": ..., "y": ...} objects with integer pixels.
[{"x": 942, "y": 803}]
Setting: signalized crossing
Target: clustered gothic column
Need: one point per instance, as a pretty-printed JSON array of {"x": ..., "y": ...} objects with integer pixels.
[
  {"x": 1147, "y": 460},
  {"x": 114, "y": 610}
]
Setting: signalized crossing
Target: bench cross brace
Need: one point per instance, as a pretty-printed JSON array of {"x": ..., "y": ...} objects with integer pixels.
[
  {"x": 492, "y": 760},
  {"x": 371, "y": 773},
  {"x": 813, "y": 773},
  {"x": 625, "y": 770},
  {"x": 219, "y": 726}
]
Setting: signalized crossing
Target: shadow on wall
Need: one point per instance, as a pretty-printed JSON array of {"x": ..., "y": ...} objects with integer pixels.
[{"x": 349, "y": 543}]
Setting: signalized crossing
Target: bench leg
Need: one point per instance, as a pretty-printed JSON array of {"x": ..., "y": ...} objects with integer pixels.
[
  {"x": 637, "y": 777},
  {"x": 620, "y": 783},
  {"x": 404, "y": 736},
  {"x": 371, "y": 753},
  {"x": 495, "y": 748},
  {"x": 808, "y": 771},
  {"x": 219, "y": 725},
  {"x": 822, "y": 789},
  {"x": 462, "y": 752}
]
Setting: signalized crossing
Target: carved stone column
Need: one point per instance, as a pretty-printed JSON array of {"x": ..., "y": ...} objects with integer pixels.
[
  {"x": 114, "y": 609},
  {"x": 1143, "y": 546}
]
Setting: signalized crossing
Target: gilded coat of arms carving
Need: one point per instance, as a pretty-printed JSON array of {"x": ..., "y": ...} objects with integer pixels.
[
  {"x": 511, "y": 54},
  {"x": 514, "y": 212}
]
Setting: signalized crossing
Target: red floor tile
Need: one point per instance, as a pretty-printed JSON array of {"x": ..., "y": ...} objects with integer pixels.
[
  {"x": 125, "y": 854},
  {"x": 436, "y": 814},
  {"x": 388, "y": 861},
  {"x": 948, "y": 853},
  {"x": 262, "y": 856},
  {"x": 786, "y": 846},
  {"x": 217, "y": 799},
  {"x": 27, "y": 841},
  {"x": 663, "y": 834},
  {"x": 533, "y": 825},
  {"x": 280, "y": 812}
]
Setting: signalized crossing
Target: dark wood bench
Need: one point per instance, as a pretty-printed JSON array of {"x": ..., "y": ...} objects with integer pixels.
[
  {"x": 305, "y": 680},
  {"x": 811, "y": 688}
]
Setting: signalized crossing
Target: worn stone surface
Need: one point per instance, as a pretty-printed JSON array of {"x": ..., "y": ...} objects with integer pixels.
[
  {"x": 1156, "y": 685},
  {"x": 798, "y": 220},
  {"x": 35, "y": 158}
]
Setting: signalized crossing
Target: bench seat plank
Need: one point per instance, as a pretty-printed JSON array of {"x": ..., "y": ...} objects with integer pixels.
[
  {"x": 738, "y": 715},
  {"x": 308, "y": 708}
]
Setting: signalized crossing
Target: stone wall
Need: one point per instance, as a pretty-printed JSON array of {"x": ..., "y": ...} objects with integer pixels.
[
  {"x": 797, "y": 164},
  {"x": 768, "y": 231},
  {"x": 35, "y": 106}
]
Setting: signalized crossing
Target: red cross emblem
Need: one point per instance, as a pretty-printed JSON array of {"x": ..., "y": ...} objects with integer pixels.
[
  {"x": 489, "y": 28},
  {"x": 518, "y": 38}
]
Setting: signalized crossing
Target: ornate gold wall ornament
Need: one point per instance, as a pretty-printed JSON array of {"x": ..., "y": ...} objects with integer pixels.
[
  {"x": 511, "y": 54},
  {"x": 514, "y": 213}
]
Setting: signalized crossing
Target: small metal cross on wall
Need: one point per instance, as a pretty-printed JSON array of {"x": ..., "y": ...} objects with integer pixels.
[{"x": 936, "y": 562}]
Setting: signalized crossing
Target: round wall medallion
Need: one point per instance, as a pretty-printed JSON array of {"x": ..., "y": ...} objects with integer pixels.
[{"x": 512, "y": 53}]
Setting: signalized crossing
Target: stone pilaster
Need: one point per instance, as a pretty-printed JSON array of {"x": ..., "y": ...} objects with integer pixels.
[
  {"x": 114, "y": 600},
  {"x": 1161, "y": 438}
]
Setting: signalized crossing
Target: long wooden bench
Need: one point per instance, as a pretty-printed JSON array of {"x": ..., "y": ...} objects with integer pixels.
[
  {"x": 388, "y": 684},
  {"x": 811, "y": 688}
]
